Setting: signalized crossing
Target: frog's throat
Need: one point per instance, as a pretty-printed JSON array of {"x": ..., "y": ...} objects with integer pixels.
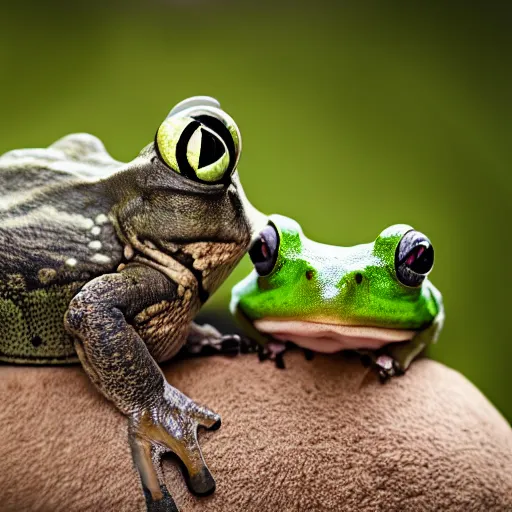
[{"x": 330, "y": 338}]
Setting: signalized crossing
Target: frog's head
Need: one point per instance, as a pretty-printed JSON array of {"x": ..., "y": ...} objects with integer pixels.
[
  {"x": 184, "y": 186},
  {"x": 342, "y": 297}
]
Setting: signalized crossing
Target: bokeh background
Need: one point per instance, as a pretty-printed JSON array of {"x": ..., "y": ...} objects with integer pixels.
[{"x": 354, "y": 116}]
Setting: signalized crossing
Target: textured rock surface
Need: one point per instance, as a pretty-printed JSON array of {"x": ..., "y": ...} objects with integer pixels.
[{"x": 317, "y": 436}]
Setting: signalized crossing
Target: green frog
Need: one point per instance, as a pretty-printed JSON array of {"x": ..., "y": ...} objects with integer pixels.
[
  {"x": 107, "y": 263},
  {"x": 373, "y": 298}
]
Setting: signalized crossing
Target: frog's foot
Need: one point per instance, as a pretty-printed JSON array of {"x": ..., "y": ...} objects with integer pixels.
[
  {"x": 393, "y": 359},
  {"x": 205, "y": 340},
  {"x": 383, "y": 364},
  {"x": 171, "y": 426},
  {"x": 396, "y": 358},
  {"x": 387, "y": 367},
  {"x": 273, "y": 350}
]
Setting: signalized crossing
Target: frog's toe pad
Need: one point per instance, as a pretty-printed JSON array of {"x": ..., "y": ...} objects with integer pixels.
[
  {"x": 201, "y": 483},
  {"x": 216, "y": 425},
  {"x": 388, "y": 367},
  {"x": 385, "y": 367}
]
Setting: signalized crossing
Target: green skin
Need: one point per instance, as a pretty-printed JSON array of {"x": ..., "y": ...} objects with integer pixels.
[
  {"x": 108, "y": 263},
  {"x": 327, "y": 298}
]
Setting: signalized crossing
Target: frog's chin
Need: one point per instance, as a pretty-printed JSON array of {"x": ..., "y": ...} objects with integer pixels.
[{"x": 330, "y": 338}]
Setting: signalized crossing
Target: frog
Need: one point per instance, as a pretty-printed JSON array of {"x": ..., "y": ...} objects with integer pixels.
[
  {"x": 374, "y": 299},
  {"x": 106, "y": 264}
]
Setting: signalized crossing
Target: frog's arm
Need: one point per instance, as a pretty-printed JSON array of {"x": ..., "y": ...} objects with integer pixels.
[
  {"x": 204, "y": 340},
  {"x": 404, "y": 353},
  {"x": 119, "y": 362}
]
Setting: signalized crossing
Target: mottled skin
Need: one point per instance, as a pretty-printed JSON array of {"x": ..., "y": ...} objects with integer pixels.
[
  {"x": 109, "y": 262},
  {"x": 328, "y": 298}
]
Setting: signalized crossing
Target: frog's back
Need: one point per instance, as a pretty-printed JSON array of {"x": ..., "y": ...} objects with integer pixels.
[{"x": 55, "y": 236}]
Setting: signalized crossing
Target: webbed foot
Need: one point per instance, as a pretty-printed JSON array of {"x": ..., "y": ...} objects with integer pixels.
[
  {"x": 206, "y": 340},
  {"x": 171, "y": 425},
  {"x": 393, "y": 359},
  {"x": 387, "y": 367},
  {"x": 384, "y": 365},
  {"x": 274, "y": 351}
]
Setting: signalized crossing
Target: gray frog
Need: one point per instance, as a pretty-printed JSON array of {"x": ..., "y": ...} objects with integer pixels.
[{"x": 108, "y": 263}]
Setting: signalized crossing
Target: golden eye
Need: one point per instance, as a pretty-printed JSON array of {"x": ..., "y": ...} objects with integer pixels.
[{"x": 201, "y": 142}]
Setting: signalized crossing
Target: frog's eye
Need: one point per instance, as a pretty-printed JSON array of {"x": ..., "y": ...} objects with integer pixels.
[
  {"x": 264, "y": 250},
  {"x": 414, "y": 258},
  {"x": 201, "y": 143}
]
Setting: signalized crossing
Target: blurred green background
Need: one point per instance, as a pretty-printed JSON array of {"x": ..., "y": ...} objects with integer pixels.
[{"x": 354, "y": 117}]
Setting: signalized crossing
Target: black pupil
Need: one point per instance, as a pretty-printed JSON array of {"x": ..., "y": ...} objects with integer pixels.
[
  {"x": 222, "y": 132},
  {"x": 420, "y": 259},
  {"x": 211, "y": 149}
]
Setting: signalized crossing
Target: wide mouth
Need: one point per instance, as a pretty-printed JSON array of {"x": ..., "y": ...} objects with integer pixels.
[{"x": 330, "y": 338}]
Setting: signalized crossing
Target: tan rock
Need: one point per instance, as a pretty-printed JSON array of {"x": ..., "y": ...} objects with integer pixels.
[{"x": 317, "y": 436}]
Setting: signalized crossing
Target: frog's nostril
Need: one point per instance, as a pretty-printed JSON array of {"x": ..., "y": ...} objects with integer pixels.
[
  {"x": 359, "y": 278},
  {"x": 310, "y": 274}
]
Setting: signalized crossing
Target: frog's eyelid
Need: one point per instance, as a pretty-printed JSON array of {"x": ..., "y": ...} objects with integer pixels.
[{"x": 194, "y": 102}]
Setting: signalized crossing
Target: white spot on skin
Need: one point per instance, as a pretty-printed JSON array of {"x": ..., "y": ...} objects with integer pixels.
[
  {"x": 71, "y": 262},
  {"x": 101, "y": 219},
  {"x": 88, "y": 223},
  {"x": 95, "y": 245},
  {"x": 95, "y": 231},
  {"x": 100, "y": 258},
  {"x": 128, "y": 252},
  {"x": 43, "y": 213}
]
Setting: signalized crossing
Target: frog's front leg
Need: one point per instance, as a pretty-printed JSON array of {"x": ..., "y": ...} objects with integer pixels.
[
  {"x": 205, "y": 340},
  {"x": 395, "y": 358},
  {"x": 120, "y": 364}
]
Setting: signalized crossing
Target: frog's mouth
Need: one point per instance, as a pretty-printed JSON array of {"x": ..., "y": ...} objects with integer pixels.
[{"x": 330, "y": 338}]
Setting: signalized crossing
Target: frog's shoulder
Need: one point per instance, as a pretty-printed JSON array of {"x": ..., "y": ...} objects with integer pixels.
[{"x": 75, "y": 157}]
